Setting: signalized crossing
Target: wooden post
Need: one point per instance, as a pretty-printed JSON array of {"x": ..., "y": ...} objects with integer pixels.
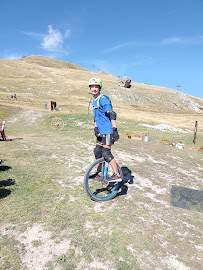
[{"x": 195, "y": 133}]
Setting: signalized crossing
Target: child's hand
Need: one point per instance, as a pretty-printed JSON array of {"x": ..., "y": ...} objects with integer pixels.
[
  {"x": 96, "y": 132},
  {"x": 115, "y": 134}
]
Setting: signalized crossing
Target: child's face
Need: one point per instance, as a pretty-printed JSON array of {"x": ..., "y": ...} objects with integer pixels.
[{"x": 95, "y": 89}]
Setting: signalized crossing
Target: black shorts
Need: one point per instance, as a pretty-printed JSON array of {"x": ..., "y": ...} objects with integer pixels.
[{"x": 106, "y": 139}]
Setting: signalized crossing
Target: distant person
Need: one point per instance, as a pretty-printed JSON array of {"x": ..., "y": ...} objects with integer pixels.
[
  {"x": 11, "y": 96},
  {"x": 45, "y": 104},
  {"x": 105, "y": 129},
  {"x": 15, "y": 96}
]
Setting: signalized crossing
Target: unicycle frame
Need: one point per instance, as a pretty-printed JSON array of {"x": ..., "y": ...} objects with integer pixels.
[{"x": 105, "y": 167}]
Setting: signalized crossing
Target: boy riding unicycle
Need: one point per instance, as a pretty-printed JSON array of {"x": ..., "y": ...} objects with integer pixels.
[{"x": 105, "y": 129}]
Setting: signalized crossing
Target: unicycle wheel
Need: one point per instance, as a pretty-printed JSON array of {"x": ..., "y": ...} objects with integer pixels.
[{"x": 97, "y": 188}]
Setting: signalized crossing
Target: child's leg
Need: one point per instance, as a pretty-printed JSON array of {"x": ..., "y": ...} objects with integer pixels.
[
  {"x": 98, "y": 154},
  {"x": 114, "y": 166},
  {"x": 110, "y": 158}
]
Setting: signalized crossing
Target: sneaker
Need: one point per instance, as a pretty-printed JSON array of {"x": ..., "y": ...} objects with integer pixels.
[
  {"x": 96, "y": 176},
  {"x": 114, "y": 178}
]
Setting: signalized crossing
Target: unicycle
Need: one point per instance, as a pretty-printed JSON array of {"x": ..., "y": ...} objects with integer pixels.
[{"x": 100, "y": 189}]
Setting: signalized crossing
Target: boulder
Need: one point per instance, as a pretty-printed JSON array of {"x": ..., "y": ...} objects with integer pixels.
[{"x": 125, "y": 82}]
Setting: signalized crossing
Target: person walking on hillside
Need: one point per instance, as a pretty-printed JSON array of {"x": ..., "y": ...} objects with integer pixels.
[{"x": 104, "y": 128}]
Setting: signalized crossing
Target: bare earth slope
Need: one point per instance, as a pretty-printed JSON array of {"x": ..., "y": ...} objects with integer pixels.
[{"x": 36, "y": 79}]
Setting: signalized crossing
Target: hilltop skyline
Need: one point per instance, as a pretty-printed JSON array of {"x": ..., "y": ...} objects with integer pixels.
[{"x": 154, "y": 42}]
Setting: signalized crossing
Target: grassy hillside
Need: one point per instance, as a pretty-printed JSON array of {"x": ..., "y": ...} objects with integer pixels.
[
  {"x": 46, "y": 219},
  {"x": 36, "y": 79}
]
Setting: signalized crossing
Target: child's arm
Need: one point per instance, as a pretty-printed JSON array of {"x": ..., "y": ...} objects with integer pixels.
[
  {"x": 113, "y": 122},
  {"x": 96, "y": 130}
]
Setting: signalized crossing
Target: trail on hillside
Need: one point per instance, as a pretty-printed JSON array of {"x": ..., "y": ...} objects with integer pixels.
[{"x": 27, "y": 116}]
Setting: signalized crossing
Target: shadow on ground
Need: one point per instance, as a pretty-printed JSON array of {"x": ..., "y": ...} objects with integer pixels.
[
  {"x": 14, "y": 139},
  {"x": 187, "y": 198},
  {"x": 4, "y": 168},
  {"x": 5, "y": 183},
  {"x": 127, "y": 178}
]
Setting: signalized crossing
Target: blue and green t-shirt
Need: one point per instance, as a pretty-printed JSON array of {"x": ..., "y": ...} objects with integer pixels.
[{"x": 101, "y": 116}]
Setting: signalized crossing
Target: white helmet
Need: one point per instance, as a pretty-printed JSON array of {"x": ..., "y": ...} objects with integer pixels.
[{"x": 95, "y": 81}]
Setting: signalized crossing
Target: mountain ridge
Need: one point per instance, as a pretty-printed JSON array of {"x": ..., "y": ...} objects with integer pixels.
[{"x": 46, "y": 78}]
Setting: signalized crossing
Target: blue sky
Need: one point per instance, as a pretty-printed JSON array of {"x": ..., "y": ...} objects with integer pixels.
[{"x": 158, "y": 42}]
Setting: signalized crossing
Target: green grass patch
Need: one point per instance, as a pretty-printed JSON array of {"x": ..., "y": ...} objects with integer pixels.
[{"x": 43, "y": 177}]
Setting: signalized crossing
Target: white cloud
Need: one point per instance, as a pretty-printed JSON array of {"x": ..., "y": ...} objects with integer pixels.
[
  {"x": 167, "y": 41},
  {"x": 173, "y": 40},
  {"x": 193, "y": 40},
  {"x": 122, "y": 45},
  {"x": 33, "y": 35},
  {"x": 53, "y": 41},
  {"x": 67, "y": 33}
]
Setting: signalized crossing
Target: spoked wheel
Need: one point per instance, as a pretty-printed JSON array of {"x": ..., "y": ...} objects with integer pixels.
[
  {"x": 99, "y": 189},
  {"x": 57, "y": 123}
]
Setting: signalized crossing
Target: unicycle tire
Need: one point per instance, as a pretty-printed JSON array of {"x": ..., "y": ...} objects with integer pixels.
[{"x": 100, "y": 190}]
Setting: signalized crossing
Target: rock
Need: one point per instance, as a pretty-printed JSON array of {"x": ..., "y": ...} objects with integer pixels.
[{"x": 125, "y": 82}]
